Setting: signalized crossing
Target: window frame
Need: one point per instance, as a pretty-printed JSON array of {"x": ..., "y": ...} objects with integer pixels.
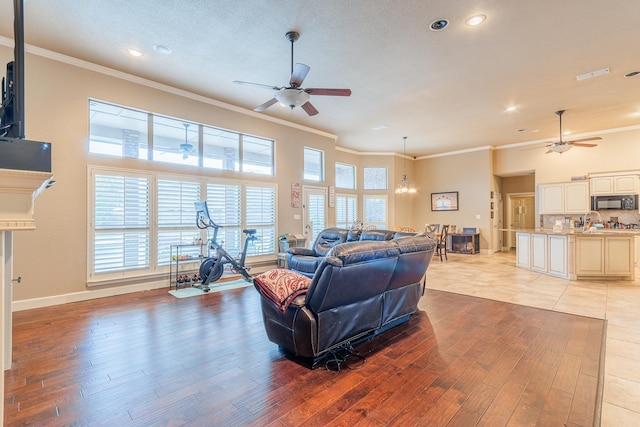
[
  {"x": 364, "y": 178},
  {"x": 308, "y": 175},
  {"x": 155, "y": 266},
  {"x": 379, "y": 224},
  {"x": 353, "y": 175}
]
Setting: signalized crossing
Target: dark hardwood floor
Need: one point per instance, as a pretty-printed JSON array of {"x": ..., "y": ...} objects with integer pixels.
[{"x": 149, "y": 359}]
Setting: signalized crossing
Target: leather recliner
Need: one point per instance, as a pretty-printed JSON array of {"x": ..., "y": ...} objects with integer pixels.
[
  {"x": 305, "y": 261},
  {"x": 359, "y": 289}
]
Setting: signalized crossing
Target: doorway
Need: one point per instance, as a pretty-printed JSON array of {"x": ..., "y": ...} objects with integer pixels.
[
  {"x": 314, "y": 212},
  {"x": 520, "y": 214}
]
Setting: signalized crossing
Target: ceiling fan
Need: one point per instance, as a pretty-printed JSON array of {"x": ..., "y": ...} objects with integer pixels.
[
  {"x": 562, "y": 146},
  {"x": 186, "y": 148},
  {"x": 294, "y": 95}
]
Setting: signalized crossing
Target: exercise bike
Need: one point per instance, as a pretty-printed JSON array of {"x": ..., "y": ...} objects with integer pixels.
[{"x": 212, "y": 267}]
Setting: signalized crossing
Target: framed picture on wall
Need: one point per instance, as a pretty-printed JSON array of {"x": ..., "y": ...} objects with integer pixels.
[{"x": 444, "y": 201}]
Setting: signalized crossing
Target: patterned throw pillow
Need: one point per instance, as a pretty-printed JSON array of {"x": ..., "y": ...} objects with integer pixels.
[{"x": 282, "y": 286}]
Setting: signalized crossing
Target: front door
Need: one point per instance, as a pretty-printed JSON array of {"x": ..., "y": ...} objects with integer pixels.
[{"x": 314, "y": 212}]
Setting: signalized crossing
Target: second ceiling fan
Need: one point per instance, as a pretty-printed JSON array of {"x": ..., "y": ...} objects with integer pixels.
[
  {"x": 562, "y": 146},
  {"x": 295, "y": 95}
]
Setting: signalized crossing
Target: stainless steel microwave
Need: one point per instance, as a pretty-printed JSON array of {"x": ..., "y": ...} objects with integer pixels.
[{"x": 627, "y": 202}]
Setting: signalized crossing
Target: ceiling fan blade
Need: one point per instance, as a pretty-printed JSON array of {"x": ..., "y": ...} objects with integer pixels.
[
  {"x": 269, "y": 103},
  {"x": 310, "y": 109},
  {"x": 299, "y": 73},
  {"x": 238, "y": 82},
  {"x": 330, "y": 92},
  {"x": 579, "y": 144},
  {"x": 594, "y": 138}
]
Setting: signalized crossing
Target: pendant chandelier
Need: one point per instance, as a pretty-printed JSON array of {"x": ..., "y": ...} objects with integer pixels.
[{"x": 404, "y": 186}]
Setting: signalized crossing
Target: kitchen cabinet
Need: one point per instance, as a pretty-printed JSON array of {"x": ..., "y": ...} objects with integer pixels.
[
  {"x": 564, "y": 198},
  {"x": 523, "y": 250},
  {"x": 605, "y": 256},
  {"x": 539, "y": 252},
  {"x": 545, "y": 253},
  {"x": 614, "y": 184},
  {"x": 558, "y": 248}
]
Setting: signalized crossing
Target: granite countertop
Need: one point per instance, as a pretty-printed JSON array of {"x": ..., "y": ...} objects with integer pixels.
[{"x": 576, "y": 231}]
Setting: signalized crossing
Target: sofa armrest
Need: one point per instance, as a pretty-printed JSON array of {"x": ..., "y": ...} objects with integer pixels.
[{"x": 302, "y": 251}]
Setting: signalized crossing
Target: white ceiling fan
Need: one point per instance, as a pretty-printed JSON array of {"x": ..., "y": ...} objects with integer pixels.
[
  {"x": 294, "y": 95},
  {"x": 562, "y": 146}
]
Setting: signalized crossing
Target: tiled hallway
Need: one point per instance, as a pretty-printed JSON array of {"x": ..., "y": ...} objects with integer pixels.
[{"x": 496, "y": 277}]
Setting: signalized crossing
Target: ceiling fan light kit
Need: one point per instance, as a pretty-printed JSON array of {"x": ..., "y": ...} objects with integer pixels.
[
  {"x": 292, "y": 97},
  {"x": 295, "y": 95}
]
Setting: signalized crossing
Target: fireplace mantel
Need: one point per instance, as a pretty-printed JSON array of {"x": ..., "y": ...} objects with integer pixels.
[{"x": 18, "y": 190}]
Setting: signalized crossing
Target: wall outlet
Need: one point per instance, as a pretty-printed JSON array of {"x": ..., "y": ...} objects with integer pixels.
[
  {"x": 296, "y": 216},
  {"x": 477, "y": 216}
]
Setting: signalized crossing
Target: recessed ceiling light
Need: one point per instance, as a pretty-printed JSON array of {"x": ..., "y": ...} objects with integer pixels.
[
  {"x": 510, "y": 109},
  {"x": 380, "y": 127},
  {"x": 134, "y": 52},
  {"x": 162, "y": 49},
  {"x": 476, "y": 20},
  {"x": 439, "y": 24},
  {"x": 522, "y": 130}
]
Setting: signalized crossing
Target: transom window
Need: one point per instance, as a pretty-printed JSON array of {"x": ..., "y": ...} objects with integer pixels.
[
  {"x": 124, "y": 132},
  {"x": 313, "y": 164},
  {"x": 375, "y": 178},
  {"x": 345, "y": 176}
]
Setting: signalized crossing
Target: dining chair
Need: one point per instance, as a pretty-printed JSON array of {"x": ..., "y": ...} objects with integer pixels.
[
  {"x": 432, "y": 228},
  {"x": 441, "y": 246},
  {"x": 407, "y": 229}
]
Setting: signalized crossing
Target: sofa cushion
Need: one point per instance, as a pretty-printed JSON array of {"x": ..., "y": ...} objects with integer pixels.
[
  {"x": 378, "y": 235},
  {"x": 304, "y": 264},
  {"x": 281, "y": 286},
  {"x": 328, "y": 238}
]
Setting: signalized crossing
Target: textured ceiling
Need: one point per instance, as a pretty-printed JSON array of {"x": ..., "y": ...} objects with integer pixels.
[{"x": 444, "y": 90}]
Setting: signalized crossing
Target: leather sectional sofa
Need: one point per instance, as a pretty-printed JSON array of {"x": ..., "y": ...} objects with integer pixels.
[
  {"x": 358, "y": 290},
  {"x": 305, "y": 261}
]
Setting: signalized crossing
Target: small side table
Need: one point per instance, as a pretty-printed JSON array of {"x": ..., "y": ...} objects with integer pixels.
[{"x": 282, "y": 260}]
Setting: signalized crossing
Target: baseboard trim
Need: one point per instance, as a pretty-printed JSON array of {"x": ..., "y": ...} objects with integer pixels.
[{"x": 29, "y": 304}]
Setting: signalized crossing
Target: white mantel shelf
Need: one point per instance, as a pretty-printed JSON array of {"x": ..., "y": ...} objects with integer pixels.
[{"x": 18, "y": 189}]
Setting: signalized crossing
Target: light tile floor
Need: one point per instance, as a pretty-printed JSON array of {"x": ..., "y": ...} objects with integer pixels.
[{"x": 496, "y": 277}]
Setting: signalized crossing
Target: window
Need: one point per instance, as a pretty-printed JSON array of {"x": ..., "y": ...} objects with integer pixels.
[
  {"x": 175, "y": 141},
  {"x": 261, "y": 215},
  {"x": 123, "y": 132},
  {"x": 120, "y": 220},
  {"x": 313, "y": 164},
  {"x": 346, "y": 210},
  {"x": 257, "y": 155},
  {"x": 135, "y": 217},
  {"x": 117, "y": 131},
  {"x": 375, "y": 211},
  {"x": 225, "y": 207},
  {"x": 220, "y": 149},
  {"x": 375, "y": 178},
  {"x": 176, "y": 217},
  {"x": 345, "y": 176}
]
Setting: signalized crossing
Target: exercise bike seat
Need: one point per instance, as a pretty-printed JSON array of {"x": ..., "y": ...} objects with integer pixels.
[{"x": 249, "y": 231}]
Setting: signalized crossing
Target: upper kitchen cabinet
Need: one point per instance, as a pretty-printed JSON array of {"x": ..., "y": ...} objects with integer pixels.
[
  {"x": 622, "y": 183},
  {"x": 564, "y": 198}
]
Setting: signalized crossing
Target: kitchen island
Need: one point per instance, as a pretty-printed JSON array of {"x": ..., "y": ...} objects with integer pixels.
[{"x": 573, "y": 254}]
